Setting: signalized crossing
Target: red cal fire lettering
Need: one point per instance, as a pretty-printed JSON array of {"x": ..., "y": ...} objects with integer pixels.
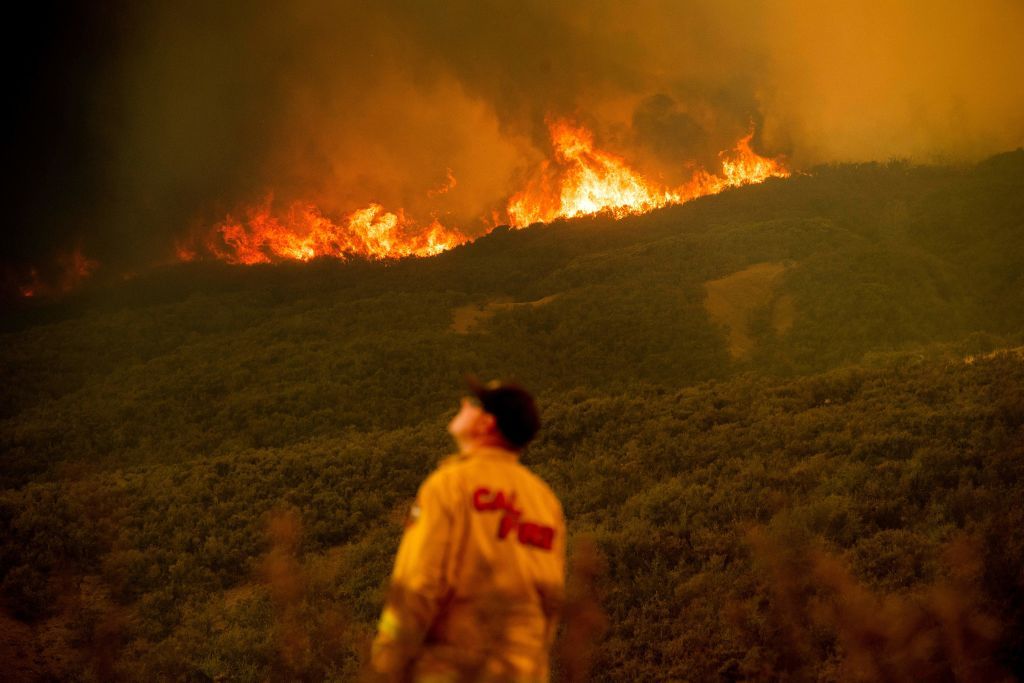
[
  {"x": 536, "y": 535},
  {"x": 509, "y": 521},
  {"x": 484, "y": 500},
  {"x": 527, "y": 533},
  {"x": 481, "y": 498}
]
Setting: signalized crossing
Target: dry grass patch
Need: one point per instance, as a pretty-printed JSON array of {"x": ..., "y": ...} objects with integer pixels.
[
  {"x": 465, "y": 319},
  {"x": 732, "y": 299}
]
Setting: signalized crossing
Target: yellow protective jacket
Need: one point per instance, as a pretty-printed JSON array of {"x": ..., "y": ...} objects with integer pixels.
[{"x": 479, "y": 576}]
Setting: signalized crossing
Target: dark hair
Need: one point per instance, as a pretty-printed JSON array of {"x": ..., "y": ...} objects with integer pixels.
[{"x": 512, "y": 407}]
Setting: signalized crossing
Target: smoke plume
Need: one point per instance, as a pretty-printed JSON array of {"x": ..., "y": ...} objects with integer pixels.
[{"x": 139, "y": 123}]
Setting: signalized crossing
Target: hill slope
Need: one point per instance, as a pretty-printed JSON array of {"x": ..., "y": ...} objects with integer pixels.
[{"x": 149, "y": 428}]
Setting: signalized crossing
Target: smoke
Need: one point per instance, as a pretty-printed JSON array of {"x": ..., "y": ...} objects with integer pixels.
[
  {"x": 875, "y": 81},
  {"x": 172, "y": 114}
]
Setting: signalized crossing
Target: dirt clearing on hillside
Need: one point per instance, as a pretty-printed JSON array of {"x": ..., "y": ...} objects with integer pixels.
[{"x": 732, "y": 300}]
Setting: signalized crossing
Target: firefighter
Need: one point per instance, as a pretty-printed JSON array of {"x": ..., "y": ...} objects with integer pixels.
[{"x": 480, "y": 572}]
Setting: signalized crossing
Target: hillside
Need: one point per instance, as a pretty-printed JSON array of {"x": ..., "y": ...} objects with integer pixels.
[{"x": 767, "y": 379}]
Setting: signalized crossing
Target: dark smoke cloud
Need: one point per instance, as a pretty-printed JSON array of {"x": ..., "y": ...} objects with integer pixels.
[{"x": 137, "y": 122}]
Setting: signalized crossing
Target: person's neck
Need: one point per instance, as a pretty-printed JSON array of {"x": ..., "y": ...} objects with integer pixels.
[{"x": 485, "y": 442}]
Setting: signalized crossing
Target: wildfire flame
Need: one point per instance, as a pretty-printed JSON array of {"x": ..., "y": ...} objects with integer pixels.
[
  {"x": 579, "y": 180},
  {"x": 303, "y": 233},
  {"x": 70, "y": 270},
  {"x": 583, "y": 180}
]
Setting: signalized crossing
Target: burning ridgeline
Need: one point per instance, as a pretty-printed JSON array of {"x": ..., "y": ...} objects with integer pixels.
[{"x": 580, "y": 180}]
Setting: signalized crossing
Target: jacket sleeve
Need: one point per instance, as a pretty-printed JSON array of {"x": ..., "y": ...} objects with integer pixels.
[{"x": 418, "y": 584}]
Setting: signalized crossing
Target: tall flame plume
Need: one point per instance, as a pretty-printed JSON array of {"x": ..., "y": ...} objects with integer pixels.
[{"x": 582, "y": 180}]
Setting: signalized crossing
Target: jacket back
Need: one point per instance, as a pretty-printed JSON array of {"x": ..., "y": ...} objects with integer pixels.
[{"x": 479, "y": 575}]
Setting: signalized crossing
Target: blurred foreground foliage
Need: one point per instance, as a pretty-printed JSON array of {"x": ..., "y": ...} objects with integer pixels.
[
  {"x": 204, "y": 472},
  {"x": 880, "y": 470}
]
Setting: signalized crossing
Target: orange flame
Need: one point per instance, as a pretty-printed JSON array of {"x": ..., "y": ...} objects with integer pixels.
[
  {"x": 303, "y": 233},
  {"x": 71, "y": 270},
  {"x": 584, "y": 180},
  {"x": 580, "y": 180}
]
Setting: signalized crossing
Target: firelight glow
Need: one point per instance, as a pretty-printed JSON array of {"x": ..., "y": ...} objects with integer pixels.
[
  {"x": 72, "y": 267},
  {"x": 579, "y": 180},
  {"x": 303, "y": 233},
  {"x": 582, "y": 180}
]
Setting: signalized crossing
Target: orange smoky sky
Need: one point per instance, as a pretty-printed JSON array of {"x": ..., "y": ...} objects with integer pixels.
[{"x": 143, "y": 120}]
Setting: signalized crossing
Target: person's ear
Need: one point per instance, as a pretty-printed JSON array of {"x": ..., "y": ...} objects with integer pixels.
[{"x": 487, "y": 422}]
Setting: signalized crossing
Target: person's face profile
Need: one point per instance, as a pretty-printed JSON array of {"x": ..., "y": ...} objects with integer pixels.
[{"x": 466, "y": 421}]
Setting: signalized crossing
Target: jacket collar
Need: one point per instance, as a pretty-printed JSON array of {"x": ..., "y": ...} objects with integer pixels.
[{"x": 489, "y": 453}]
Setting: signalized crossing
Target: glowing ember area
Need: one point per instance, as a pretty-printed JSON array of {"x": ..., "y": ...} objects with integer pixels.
[
  {"x": 582, "y": 180},
  {"x": 69, "y": 271},
  {"x": 303, "y": 233},
  {"x": 578, "y": 180}
]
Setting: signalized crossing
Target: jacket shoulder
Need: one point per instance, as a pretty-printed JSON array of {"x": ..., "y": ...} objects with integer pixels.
[{"x": 445, "y": 471}]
